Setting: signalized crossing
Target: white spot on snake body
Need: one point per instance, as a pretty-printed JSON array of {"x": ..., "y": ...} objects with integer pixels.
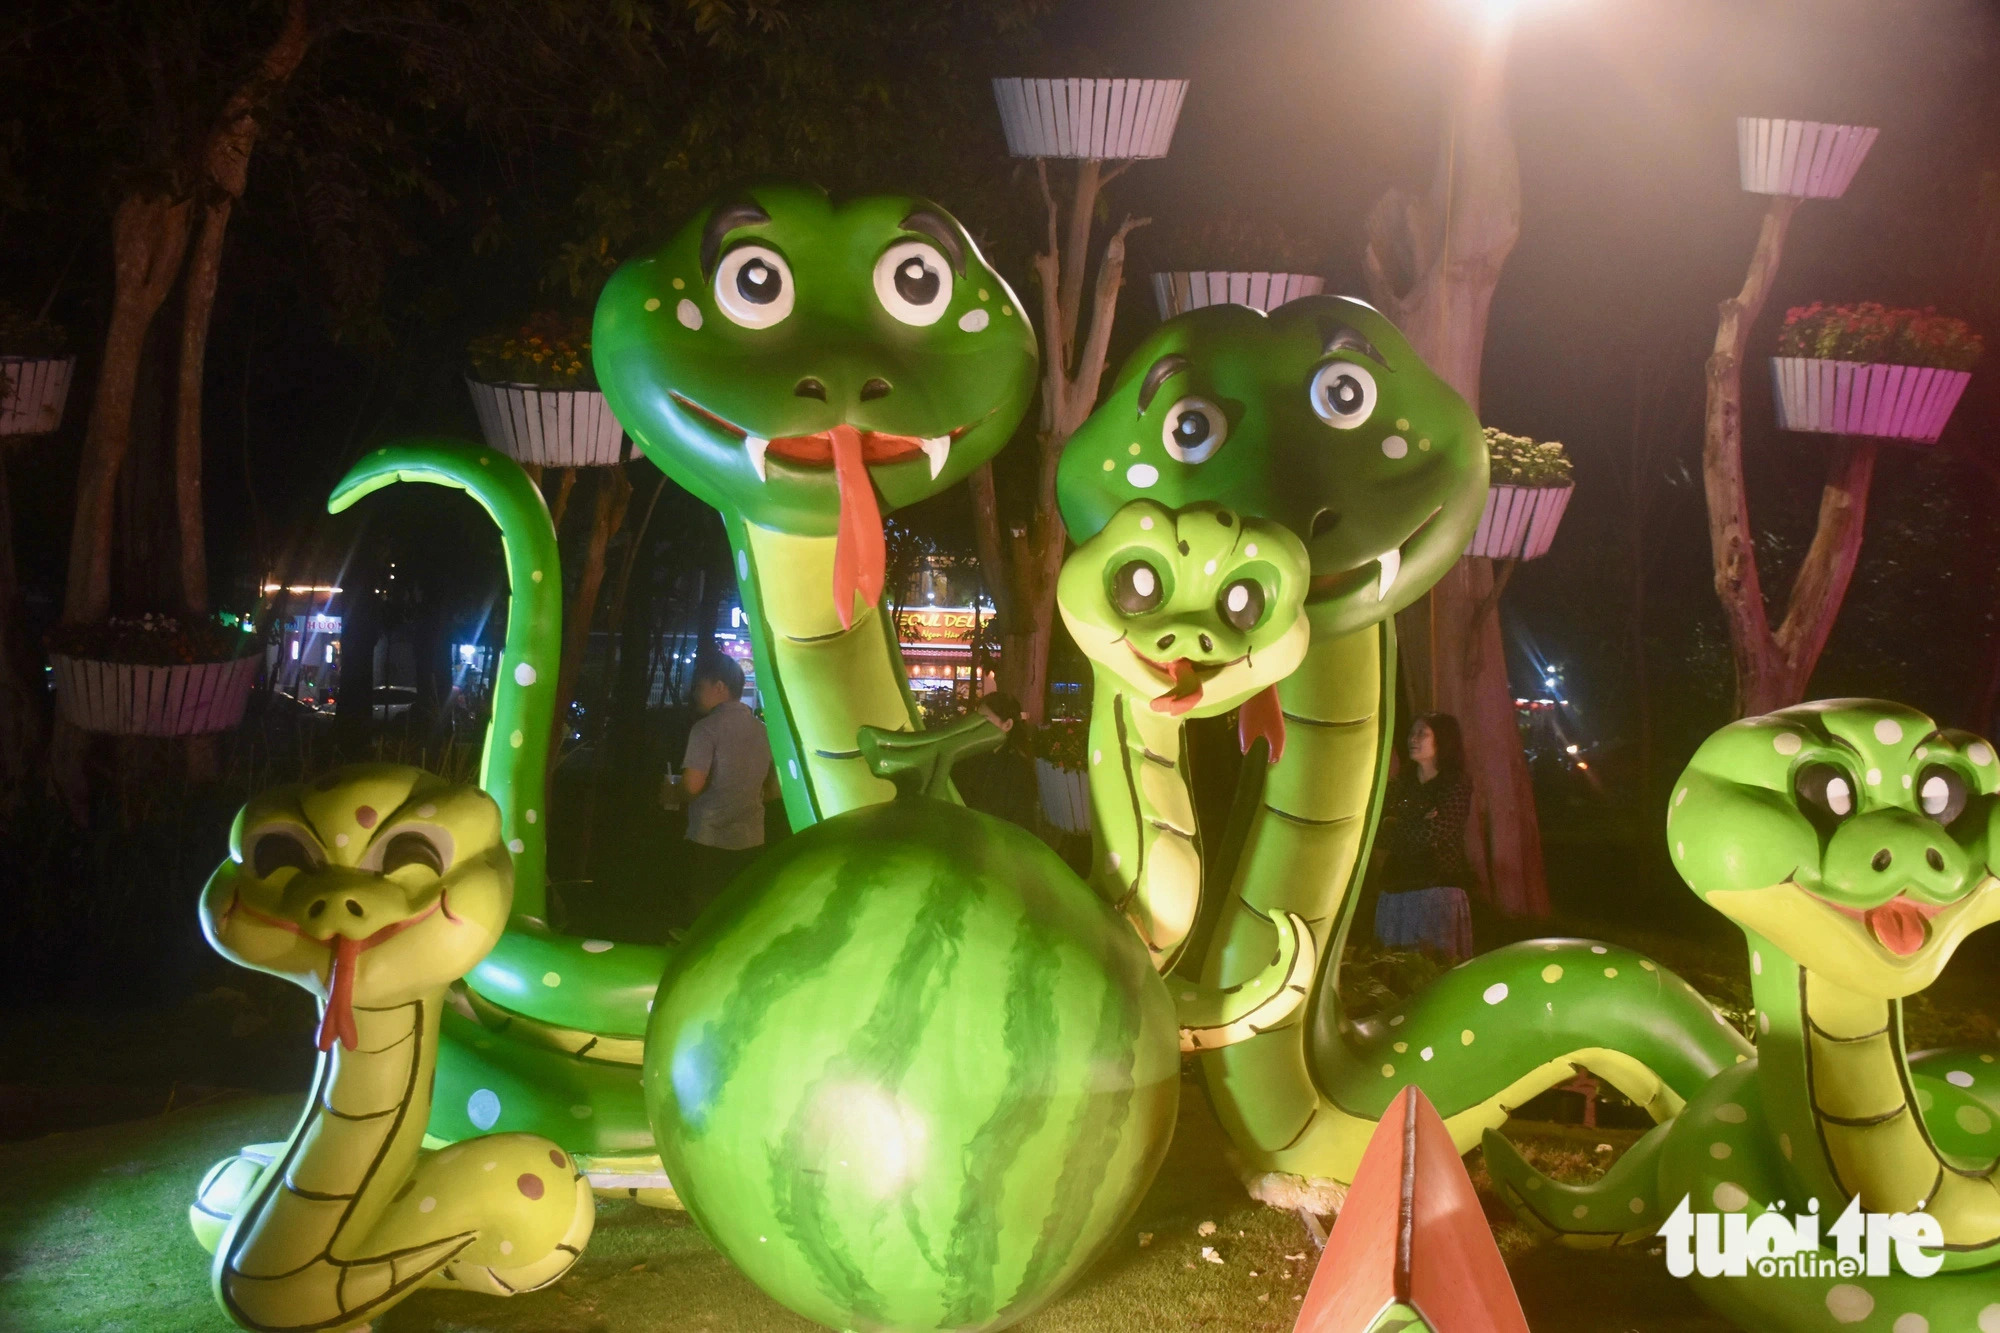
[
  {"x": 1598, "y": 948},
  {"x": 1680, "y": 795},
  {"x": 1973, "y": 1120},
  {"x": 340, "y": 839},
  {"x": 516, "y": 846},
  {"x": 1888, "y": 730},
  {"x": 652, "y": 303},
  {"x": 1958, "y": 1078},
  {"x": 1465, "y": 1037},
  {"x": 1729, "y": 1113},
  {"x": 1388, "y": 1071},
  {"x": 972, "y": 321},
  {"x": 1910, "y": 1323},
  {"x": 524, "y": 674},
  {"x": 1989, "y": 1319},
  {"x": 1757, "y": 962},
  {"x": 1730, "y": 1197},
  {"x": 1111, "y": 860},
  {"x": 1979, "y": 752},
  {"x": 1580, "y": 1212},
  {"x": 506, "y": 1247},
  {"x": 1908, "y": 782},
  {"x": 1680, "y": 851},
  {"x": 1787, "y": 743},
  {"x": 552, "y": 979},
  {"x": 742, "y": 564},
  {"x": 1142, "y": 475},
  {"x": 1719, "y": 1151},
  {"x": 1848, "y": 1304},
  {"x": 1552, "y": 973},
  {"x": 426, "y": 810},
  {"x": 482, "y": 1108},
  {"x": 1208, "y": 568},
  {"x": 1097, "y": 756},
  {"x": 425, "y": 1204},
  {"x": 1637, "y": 1205},
  {"x": 1785, "y": 1146},
  {"x": 1402, "y": 1047},
  {"x": 536, "y": 576},
  {"x": 1251, "y": 550},
  {"x": 1426, "y": 1053},
  {"x": 688, "y": 313},
  {"x": 516, "y": 739},
  {"x": 597, "y": 946},
  {"x": 532, "y": 816},
  {"x": 1874, "y": 777},
  {"x": 1397, "y": 1021},
  {"x": 1145, "y": 525},
  {"x": 1395, "y": 446},
  {"x": 1495, "y": 993},
  {"x": 793, "y": 765}
]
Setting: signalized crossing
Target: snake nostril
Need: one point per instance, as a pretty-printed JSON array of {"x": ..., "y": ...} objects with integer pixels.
[
  {"x": 317, "y": 908},
  {"x": 1882, "y": 860},
  {"x": 1935, "y": 857},
  {"x": 1166, "y": 641},
  {"x": 809, "y": 388},
  {"x": 877, "y": 388},
  {"x": 1207, "y": 644},
  {"x": 354, "y": 908}
]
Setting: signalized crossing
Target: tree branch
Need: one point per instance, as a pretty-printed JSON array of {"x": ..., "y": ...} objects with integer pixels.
[
  {"x": 1829, "y": 564},
  {"x": 986, "y": 538},
  {"x": 1104, "y": 308},
  {"x": 1076, "y": 252}
]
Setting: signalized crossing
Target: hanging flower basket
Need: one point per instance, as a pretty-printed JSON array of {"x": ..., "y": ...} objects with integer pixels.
[
  {"x": 536, "y": 395},
  {"x": 1531, "y": 489},
  {"x": 1181, "y": 291},
  {"x": 33, "y": 390},
  {"x": 1871, "y": 370},
  {"x": 133, "y": 699},
  {"x": 1107, "y": 119},
  {"x": 1065, "y": 797},
  {"x": 153, "y": 675},
  {"x": 1806, "y": 159},
  {"x": 550, "y": 427}
]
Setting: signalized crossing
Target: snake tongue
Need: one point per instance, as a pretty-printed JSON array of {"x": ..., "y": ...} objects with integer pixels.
[
  {"x": 1898, "y": 924},
  {"x": 1185, "y": 692},
  {"x": 1262, "y": 715},
  {"x": 858, "y": 554},
  {"x": 336, "y": 1022}
]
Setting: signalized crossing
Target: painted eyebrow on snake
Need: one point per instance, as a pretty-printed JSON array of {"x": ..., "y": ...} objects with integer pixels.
[
  {"x": 744, "y": 212},
  {"x": 1162, "y": 370},
  {"x": 930, "y": 223},
  {"x": 1344, "y": 339}
]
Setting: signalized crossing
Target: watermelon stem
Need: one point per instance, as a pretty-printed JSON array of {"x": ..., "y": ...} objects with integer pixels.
[{"x": 920, "y": 762}]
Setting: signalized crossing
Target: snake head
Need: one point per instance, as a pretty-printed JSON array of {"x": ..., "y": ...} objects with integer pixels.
[
  {"x": 1319, "y": 417},
  {"x": 1852, "y": 834},
  {"x": 733, "y": 352},
  {"x": 398, "y": 872},
  {"x": 1195, "y": 609}
]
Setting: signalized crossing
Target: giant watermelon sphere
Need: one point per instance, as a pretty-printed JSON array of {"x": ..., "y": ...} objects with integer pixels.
[{"x": 910, "y": 1072}]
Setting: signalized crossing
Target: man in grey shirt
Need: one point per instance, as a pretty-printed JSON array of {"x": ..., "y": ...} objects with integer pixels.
[{"x": 726, "y": 778}]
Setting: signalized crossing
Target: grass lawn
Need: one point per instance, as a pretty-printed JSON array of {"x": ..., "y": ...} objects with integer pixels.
[{"x": 93, "y": 1237}]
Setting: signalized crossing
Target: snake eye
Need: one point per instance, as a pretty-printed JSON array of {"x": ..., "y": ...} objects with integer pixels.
[
  {"x": 913, "y": 283},
  {"x": 278, "y": 848},
  {"x": 1343, "y": 394},
  {"x": 1825, "y": 793},
  {"x": 753, "y": 286},
  {"x": 1195, "y": 428},
  {"x": 1137, "y": 588},
  {"x": 1941, "y": 793},
  {"x": 1242, "y": 603},
  {"x": 412, "y": 848}
]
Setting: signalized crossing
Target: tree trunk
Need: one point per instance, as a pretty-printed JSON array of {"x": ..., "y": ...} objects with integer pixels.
[
  {"x": 1432, "y": 266},
  {"x": 1020, "y": 569},
  {"x": 1773, "y": 668},
  {"x": 613, "y": 494}
]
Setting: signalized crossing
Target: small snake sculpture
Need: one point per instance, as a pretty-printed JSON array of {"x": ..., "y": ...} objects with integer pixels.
[
  {"x": 803, "y": 366},
  {"x": 1852, "y": 842},
  {"x": 374, "y": 888},
  {"x": 1319, "y": 419}
]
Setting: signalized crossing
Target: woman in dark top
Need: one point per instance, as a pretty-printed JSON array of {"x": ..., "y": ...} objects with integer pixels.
[{"x": 1423, "y": 903}]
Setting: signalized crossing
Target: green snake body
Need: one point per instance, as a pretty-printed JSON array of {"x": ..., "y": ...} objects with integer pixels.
[
  {"x": 1320, "y": 418},
  {"x": 1851, "y": 842}
]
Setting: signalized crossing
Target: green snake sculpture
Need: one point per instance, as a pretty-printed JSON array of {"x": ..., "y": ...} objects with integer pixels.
[
  {"x": 1319, "y": 419},
  {"x": 1852, "y": 842},
  {"x": 374, "y": 888},
  {"x": 804, "y": 366}
]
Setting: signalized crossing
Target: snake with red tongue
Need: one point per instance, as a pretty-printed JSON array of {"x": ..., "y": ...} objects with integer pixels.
[
  {"x": 858, "y": 553},
  {"x": 1899, "y": 924}
]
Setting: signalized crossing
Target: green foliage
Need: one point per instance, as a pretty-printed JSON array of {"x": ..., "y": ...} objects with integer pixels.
[
  {"x": 548, "y": 350},
  {"x": 1373, "y": 979},
  {"x": 1064, "y": 742},
  {"x": 1873, "y": 332},
  {"x": 152, "y": 640},
  {"x": 1520, "y": 461},
  {"x": 22, "y": 334}
]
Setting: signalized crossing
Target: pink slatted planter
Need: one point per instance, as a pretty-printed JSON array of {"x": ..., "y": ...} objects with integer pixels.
[
  {"x": 1806, "y": 159},
  {"x": 1181, "y": 291},
  {"x": 1065, "y": 797},
  {"x": 549, "y": 427},
  {"x": 1519, "y": 522},
  {"x": 1865, "y": 398},
  {"x": 127, "y": 699},
  {"x": 34, "y": 392},
  {"x": 1105, "y": 119}
]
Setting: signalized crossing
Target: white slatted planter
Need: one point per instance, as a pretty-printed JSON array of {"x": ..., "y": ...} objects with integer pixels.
[
  {"x": 1803, "y": 158},
  {"x": 1865, "y": 398},
  {"x": 35, "y": 389},
  {"x": 1107, "y": 119},
  {"x": 551, "y": 427},
  {"x": 1065, "y": 797},
  {"x": 1181, "y": 291},
  {"x": 127, "y": 699},
  {"x": 1519, "y": 522}
]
